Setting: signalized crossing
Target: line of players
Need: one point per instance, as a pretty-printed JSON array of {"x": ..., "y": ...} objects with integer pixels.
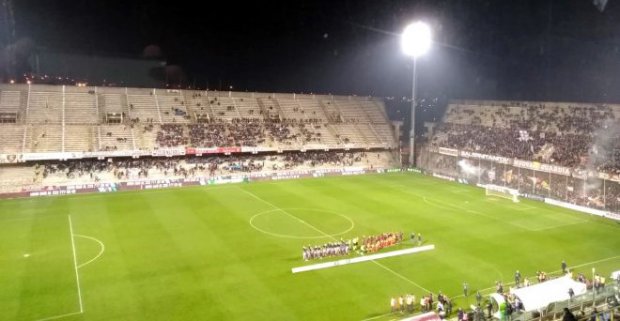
[
  {"x": 326, "y": 250},
  {"x": 367, "y": 244},
  {"x": 375, "y": 243}
]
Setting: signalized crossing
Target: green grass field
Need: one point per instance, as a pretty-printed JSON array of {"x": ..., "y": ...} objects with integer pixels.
[{"x": 192, "y": 254}]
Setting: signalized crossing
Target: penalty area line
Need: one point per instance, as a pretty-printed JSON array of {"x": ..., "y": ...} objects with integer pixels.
[
  {"x": 77, "y": 278},
  {"x": 75, "y": 265},
  {"x": 101, "y": 249},
  {"x": 60, "y": 316}
]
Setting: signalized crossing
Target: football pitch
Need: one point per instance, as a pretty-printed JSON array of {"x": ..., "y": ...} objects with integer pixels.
[{"x": 226, "y": 252}]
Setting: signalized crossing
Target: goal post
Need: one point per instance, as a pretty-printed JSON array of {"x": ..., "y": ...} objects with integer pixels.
[{"x": 502, "y": 192}]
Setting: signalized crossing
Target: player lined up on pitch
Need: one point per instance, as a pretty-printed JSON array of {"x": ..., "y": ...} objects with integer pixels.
[
  {"x": 326, "y": 250},
  {"x": 375, "y": 243},
  {"x": 363, "y": 245}
]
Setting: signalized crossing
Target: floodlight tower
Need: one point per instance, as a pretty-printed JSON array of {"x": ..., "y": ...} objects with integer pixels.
[{"x": 416, "y": 40}]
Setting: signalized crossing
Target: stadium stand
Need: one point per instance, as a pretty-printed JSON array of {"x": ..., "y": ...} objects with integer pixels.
[
  {"x": 45, "y": 138},
  {"x": 45, "y": 105},
  {"x": 10, "y": 106},
  {"x": 143, "y": 105},
  {"x": 172, "y": 105},
  {"x": 13, "y": 138},
  {"x": 559, "y": 133},
  {"x": 78, "y": 138},
  {"x": 198, "y": 106},
  {"x": 566, "y": 151},
  {"x": 247, "y": 107},
  {"x": 115, "y": 137},
  {"x": 312, "y": 109},
  {"x": 112, "y": 102},
  {"x": 223, "y": 108},
  {"x": 74, "y": 125},
  {"x": 80, "y": 105}
]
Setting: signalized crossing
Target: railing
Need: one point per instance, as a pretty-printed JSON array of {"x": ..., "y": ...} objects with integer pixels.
[
  {"x": 27, "y": 104},
  {"x": 63, "y": 120},
  {"x": 157, "y": 105},
  {"x": 97, "y": 104},
  {"x": 602, "y": 300}
]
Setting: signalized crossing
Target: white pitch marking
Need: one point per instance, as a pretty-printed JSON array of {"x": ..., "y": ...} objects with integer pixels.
[
  {"x": 400, "y": 275},
  {"x": 101, "y": 245},
  {"x": 77, "y": 279},
  {"x": 333, "y": 238},
  {"x": 77, "y": 275},
  {"x": 300, "y": 237},
  {"x": 59, "y": 316},
  {"x": 285, "y": 212}
]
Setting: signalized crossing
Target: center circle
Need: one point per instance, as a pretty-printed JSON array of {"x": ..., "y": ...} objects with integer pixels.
[{"x": 301, "y": 223}]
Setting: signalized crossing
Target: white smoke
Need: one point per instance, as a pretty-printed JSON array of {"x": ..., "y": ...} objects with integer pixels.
[
  {"x": 467, "y": 168},
  {"x": 603, "y": 150},
  {"x": 604, "y": 144}
]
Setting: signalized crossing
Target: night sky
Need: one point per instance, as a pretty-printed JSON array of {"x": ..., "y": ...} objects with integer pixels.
[{"x": 564, "y": 50}]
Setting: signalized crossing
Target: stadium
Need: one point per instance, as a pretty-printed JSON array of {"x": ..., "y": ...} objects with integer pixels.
[{"x": 128, "y": 192}]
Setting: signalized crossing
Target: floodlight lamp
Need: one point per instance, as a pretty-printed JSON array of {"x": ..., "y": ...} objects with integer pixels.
[{"x": 416, "y": 39}]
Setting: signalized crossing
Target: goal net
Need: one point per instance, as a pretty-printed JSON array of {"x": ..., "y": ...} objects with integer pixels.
[{"x": 502, "y": 192}]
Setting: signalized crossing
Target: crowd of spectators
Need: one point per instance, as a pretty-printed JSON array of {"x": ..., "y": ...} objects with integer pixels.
[
  {"x": 567, "y": 136},
  {"x": 249, "y": 132},
  {"x": 171, "y": 135},
  {"x": 208, "y": 135},
  {"x": 191, "y": 166},
  {"x": 315, "y": 158},
  {"x": 119, "y": 168},
  {"x": 593, "y": 191},
  {"x": 246, "y": 132}
]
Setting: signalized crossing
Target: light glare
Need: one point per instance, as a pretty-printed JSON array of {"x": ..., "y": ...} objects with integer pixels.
[{"x": 416, "y": 39}]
